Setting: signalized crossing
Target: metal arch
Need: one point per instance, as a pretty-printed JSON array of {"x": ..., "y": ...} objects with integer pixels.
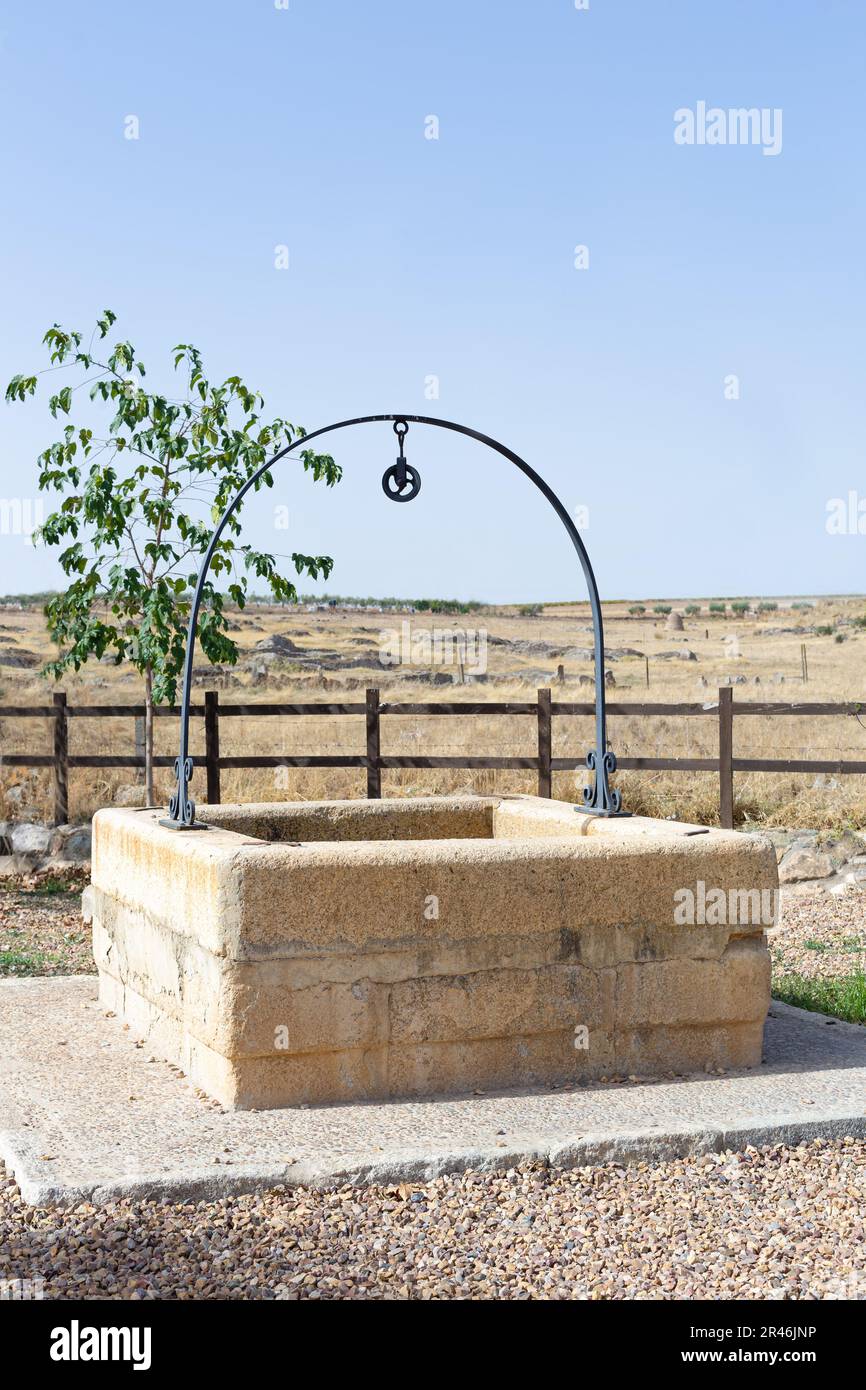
[{"x": 598, "y": 799}]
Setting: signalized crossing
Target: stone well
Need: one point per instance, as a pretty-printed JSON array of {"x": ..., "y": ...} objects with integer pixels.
[{"x": 313, "y": 952}]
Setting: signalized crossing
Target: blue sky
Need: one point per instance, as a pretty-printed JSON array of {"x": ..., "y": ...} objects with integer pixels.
[{"x": 411, "y": 257}]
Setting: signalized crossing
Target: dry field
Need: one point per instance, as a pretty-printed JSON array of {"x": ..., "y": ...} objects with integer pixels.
[{"x": 523, "y": 653}]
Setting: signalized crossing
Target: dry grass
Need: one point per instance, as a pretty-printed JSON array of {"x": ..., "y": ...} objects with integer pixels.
[{"x": 835, "y": 674}]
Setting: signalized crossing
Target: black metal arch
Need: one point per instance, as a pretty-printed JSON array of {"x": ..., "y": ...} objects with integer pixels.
[{"x": 599, "y": 799}]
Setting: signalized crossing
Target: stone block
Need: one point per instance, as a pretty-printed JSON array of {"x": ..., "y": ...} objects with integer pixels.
[{"x": 309, "y": 953}]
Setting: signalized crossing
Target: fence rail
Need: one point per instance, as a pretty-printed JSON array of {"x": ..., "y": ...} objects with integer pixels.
[{"x": 544, "y": 709}]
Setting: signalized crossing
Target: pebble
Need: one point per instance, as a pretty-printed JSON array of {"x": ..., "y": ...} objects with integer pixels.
[
  {"x": 766, "y": 1224},
  {"x": 820, "y": 935}
]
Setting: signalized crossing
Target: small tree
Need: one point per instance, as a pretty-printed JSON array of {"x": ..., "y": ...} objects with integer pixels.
[{"x": 139, "y": 506}]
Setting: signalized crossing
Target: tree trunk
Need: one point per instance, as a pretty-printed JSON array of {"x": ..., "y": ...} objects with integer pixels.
[{"x": 149, "y": 794}]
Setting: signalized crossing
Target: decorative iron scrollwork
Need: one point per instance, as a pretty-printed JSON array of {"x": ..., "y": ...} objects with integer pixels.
[
  {"x": 600, "y": 799},
  {"x": 181, "y": 807}
]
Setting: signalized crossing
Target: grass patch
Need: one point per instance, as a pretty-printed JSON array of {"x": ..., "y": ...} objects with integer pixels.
[
  {"x": 843, "y": 998},
  {"x": 19, "y": 963},
  {"x": 50, "y": 887}
]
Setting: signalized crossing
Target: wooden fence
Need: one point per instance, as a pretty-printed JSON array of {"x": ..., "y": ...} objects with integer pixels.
[{"x": 544, "y": 709}]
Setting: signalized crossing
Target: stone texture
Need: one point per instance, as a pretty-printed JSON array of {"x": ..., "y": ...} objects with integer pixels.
[
  {"x": 71, "y": 843},
  {"x": 804, "y": 855},
  {"x": 315, "y": 952},
  {"x": 30, "y": 839}
]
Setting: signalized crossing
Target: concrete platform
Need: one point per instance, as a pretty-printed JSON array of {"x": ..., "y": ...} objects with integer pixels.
[{"x": 85, "y": 1116}]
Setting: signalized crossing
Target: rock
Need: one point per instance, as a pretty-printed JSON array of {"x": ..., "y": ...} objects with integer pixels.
[
  {"x": 824, "y": 783},
  {"x": 277, "y": 645},
  {"x": 781, "y": 840},
  {"x": 30, "y": 839},
  {"x": 804, "y": 861},
  {"x": 18, "y": 795},
  {"x": 683, "y": 654},
  {"x": 777, "y": 678},
  {"x": 810, "y": 855},
  {"x": 71, "y": 842},
  {"x": 87, "y": 905},
  {"x": 610, "y": 653},
  {"x": 674, "y": 622},
  {"x": 842, "y": 848},
  {"x": 17, "y": 656},
  {"x": 133, "y": 794}
]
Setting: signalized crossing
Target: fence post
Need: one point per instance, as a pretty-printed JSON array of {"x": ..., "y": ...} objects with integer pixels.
[
  {"x": 212, "y": 745},
  {"x": 545, "y": 740},
  {"x": 374, "y": 771},
  {"x": 140, "y": 746},
  {"x": 726, "y": 755},
  {"x": 61, "y": 759}
]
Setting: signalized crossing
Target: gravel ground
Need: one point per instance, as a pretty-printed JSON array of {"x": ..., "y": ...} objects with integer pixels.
[
  {"x": 41, "y": 931},
  {"x": 774, "y": 1223},
  {"x": 820, "y": 935}
]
